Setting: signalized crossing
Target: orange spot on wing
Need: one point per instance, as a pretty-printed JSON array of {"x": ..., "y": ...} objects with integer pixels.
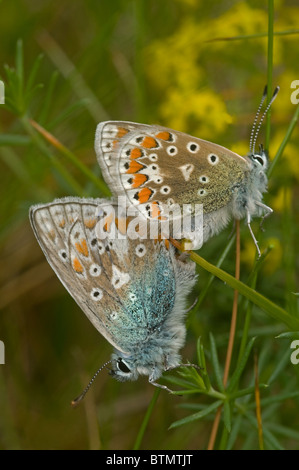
[
  {"x": 163, "y": 135},
  {"x": 62, "y": 223},
  {"x": 90, "y": 223},
  {"x": 134, "y": 167},
  {"x": 108, "y": 222},
  {"x": 139, "y": 180},
  {"x": 82, "y": 247},
  {"x": 52, "y": 234},
  {"x": 114, "y": 144},
  {"x": 155, "y": 209},
  {"x": 77, "y": 266},
  {"x": 144, "y": 195},
  {"x": 149, "y": 143},
  {"x": 122, "y": 225},
  {"x": 121, "y": 131},
  {"x": 135, "y": 153}
]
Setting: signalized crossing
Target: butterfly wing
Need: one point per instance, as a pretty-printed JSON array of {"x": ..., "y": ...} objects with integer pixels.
[
  {"x": 65, "y": 230},
  {"x": 126, "y": 288},
  {"x": 154, "y": 165}
]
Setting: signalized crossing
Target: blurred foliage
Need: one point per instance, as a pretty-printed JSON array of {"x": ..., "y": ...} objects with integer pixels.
[{"x": 195, "y": 66}]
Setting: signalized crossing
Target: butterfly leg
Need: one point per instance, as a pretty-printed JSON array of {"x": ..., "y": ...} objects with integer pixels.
[
  {"x": 268, "y": 211},
  {"x": 161, "y": 386},
  {"x": 252, "y": 234}
]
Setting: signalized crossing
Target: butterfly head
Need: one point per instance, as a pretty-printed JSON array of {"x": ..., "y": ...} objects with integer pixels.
[
  {"x": 152, "y": 357},
  {"x": 259, "y": 165},
  {"x": 259, "y": 159}
]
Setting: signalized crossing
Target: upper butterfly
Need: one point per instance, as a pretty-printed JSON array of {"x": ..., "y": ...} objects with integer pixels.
[
  {"x": 133, "y": 293},
  {"x": 156, "y": 167}
]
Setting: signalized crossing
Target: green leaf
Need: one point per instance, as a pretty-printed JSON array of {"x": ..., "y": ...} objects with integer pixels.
[
  {"x": 201, "y": 414},
  {"x": 280, "y": 366},
  {"x": 14, "y": 139},
  {"x": 289, "y": 335},
  {"x": 227, "y": 415},
  {"x": 202, "y": 363},
  {"x": 240, "y": 367},
  {"x": 265, "y": 304},
  {"x": 215, "y": 362}
]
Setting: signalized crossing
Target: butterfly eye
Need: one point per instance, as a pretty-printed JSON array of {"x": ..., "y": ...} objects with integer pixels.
[
  {"x": 122, "y": 366},
  {"x": 259, "y": 158},
  {"x": 193, "y": 147}
]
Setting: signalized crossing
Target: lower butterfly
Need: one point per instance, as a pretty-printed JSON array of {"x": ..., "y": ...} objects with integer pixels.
[{"x": 133, "y": 291}]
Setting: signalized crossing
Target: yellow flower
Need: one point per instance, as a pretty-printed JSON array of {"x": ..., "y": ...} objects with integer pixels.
[
  {"x": 201, "y": 113},
  {"x": 282, "y": 200},
  {"x": 271, "y": 262}
]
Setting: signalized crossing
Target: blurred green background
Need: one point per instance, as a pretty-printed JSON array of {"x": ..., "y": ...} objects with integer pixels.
[{"x": 195, "y": 66}]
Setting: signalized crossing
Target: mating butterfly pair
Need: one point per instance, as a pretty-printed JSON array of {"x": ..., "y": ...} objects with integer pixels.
[{"x": 134, "y": 290}]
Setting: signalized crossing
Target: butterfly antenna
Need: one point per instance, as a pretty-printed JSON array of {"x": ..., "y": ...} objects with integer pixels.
[
  {"x": 77, "y": 400},
  {"x": 256, "y": 118},
  {"x": 262, "y": 118}
]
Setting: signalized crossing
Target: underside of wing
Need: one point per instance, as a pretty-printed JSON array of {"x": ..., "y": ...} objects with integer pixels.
[
  {"x": 66, "y": 232},
  {"x": 157, "y": 167}
]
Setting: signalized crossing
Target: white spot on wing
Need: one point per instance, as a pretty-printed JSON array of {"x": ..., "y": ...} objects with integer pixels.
[
  {"x": 96, "y": 294},
  {"x": 119, "y": 278},
  {"x": 187, "y": 170}
]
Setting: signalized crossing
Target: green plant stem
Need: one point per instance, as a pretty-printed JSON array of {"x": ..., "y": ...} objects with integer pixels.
[
  {"x": 67, "y": 177},
  {"x": 258, "y": 299},
  {"x": 205, "y": 289},
  {"x": 269, "y": 68},
  {"x": 284, "y": 142},
  {"x": 241, "y": 37},
  {"x": 69, "y": 155},
  {"x": 146, "y": 420}
]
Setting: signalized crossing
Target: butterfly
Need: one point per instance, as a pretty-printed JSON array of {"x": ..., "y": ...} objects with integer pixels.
[
  {"x": 133, "y": 291},
  {"x": 156, "y": 167}
]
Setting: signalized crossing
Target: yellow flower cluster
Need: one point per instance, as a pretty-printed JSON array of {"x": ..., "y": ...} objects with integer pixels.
[{"x": 176, "y": 67}]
